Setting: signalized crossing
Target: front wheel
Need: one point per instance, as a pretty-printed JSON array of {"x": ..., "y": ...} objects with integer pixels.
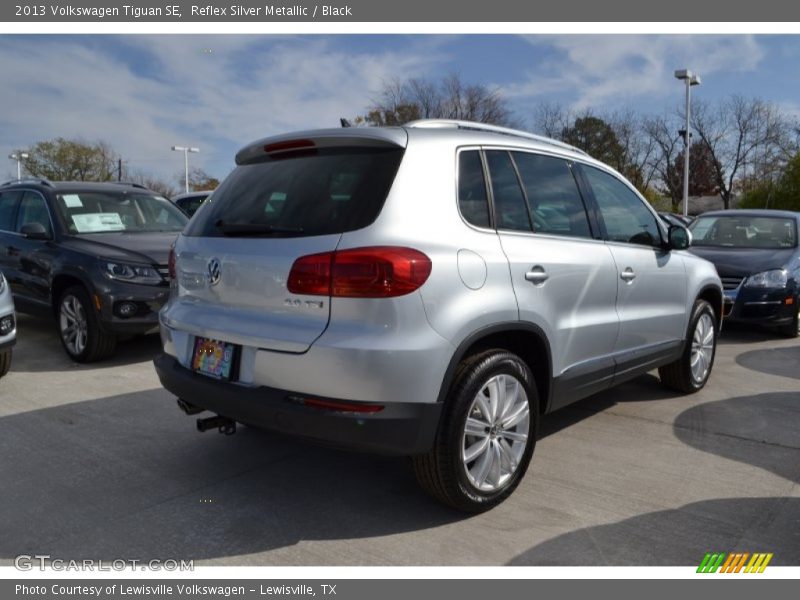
[
  {"x": 5, "y": 361},
  {"x": 487, "y": 435},
  {"x": 79, "y": 328},
  {"x": 691, "y": 371}
]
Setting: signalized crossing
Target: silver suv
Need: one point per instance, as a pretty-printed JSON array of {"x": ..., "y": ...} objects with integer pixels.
[{"x": 428, "y": 290}]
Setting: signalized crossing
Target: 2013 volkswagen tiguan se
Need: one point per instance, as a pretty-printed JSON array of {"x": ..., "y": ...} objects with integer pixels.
[{"x": 428, "y": 290}]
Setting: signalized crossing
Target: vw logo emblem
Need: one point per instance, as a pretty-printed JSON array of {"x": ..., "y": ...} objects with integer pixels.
[{"x": 214, "y": 271}]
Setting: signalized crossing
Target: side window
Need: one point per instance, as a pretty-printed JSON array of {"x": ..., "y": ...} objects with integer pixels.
[
  {"x": 626, "y": 217},
  {"x": 510, "y": 209},
  {"x": 472, "y": 200},
  {"x": 553, "y": 196},
  {"x": 33, "y": 209},
  {"x": 8, "y": 208}
]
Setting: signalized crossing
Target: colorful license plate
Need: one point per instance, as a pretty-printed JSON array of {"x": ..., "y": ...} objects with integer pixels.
[{"x": 213, "y": 358}]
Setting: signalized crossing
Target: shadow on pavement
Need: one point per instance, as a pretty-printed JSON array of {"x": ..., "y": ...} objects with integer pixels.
[
  {"x": 761, "y": 430},
  {"x": 670, "y": 537},
  {"x": 784, "y": 362},
  {"x": 39, "y": 349},
  {"x": 129, "y": 477},
  {"x": 742, "y": 333}
]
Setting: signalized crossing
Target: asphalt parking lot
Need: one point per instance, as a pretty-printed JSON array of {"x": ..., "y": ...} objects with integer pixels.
[{"x": 98, "y": 462}]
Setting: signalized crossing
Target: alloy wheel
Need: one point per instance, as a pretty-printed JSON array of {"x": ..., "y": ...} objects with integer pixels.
[{"x": 73, "y": 325}]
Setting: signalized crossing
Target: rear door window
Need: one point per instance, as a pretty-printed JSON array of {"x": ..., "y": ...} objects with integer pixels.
[
  {"x": 326, "y": 191},
  {"x": 510, "y": 209},
  {"x": 553, "y": 196}
]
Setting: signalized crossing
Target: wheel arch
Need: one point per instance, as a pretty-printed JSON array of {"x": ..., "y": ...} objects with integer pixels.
[
  {"x": 713, "y": 295},
  {"x": 526, "y": 340},
  {"x": 61, "y": 282}
]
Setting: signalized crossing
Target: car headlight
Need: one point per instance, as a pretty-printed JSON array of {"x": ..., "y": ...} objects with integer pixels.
[
  {"x": 776, "y": 278},
  {"x": 132, "y": 273}
]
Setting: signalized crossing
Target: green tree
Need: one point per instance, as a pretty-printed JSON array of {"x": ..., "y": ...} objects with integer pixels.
[
  {"x": 63, "y": 159},
  {"x": 200, "y": 181},
  {"x": 597, "y": 138},
  {"x": 783, "y": 194}
]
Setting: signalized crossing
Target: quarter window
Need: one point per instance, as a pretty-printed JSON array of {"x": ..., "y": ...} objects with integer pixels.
[
  {"x": 472, "y": 200},
  {"x": 555, "y": 202},
  {"x": 626, "y": 217}
]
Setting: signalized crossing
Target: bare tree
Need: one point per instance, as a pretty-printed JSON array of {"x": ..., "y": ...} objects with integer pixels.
[
  {"x": 451, "y": 98},
  {"x": 736, "y": 132},
  {"x": 667, "y": 147},
  {"x": 552, "y": 119}
]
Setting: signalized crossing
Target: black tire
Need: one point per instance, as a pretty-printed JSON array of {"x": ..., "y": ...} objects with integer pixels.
[
  {"x": 679, "y": 375},
  {"x": 443, "y": 472},
  {"x": 5, "y": 361},
  {"x": 98, "y": 343},
  {"x": 792, "y": 330}
]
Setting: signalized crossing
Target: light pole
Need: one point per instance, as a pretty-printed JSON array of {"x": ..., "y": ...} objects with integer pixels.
[
  {"x": 185, "y": 150},
  {"x": 690, "y": 79},
  {"x": 18, "y": 156}
]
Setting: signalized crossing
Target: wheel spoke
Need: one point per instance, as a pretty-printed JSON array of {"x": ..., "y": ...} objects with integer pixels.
[
  {"x": 482, "y": 467},
  {"x": 516, "y": 416},
  {"x": 514, "y": 435},
  {"x": 496, "y": 470},
  {"x": 509, "y": 457},
  {"x": 497, "y": 392},
  {"x": 476, "y": 450},
  {"x": 476, "y": 427}
]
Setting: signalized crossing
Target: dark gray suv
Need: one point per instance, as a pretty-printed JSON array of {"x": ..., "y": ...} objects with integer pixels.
[{"x": 94, "y": 255}]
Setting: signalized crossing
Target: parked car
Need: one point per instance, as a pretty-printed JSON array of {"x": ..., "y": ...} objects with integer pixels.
[
  {"x": 757, "y": 255},
  {"x": 93, "y": 255},
  {"x": 428, "y": 290},
  {"x": 191, "y": 201},
  {"x": 675, "y": 219},
  {"x": 8, "y": 326}
]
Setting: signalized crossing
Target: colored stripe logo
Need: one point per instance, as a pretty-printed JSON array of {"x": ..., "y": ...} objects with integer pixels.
[{"x": 734, "y": 562}]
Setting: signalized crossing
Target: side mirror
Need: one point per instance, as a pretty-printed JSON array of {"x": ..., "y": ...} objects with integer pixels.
[
  {"x": 35, "y": 231},
  {"x": 679, "y": 237}
]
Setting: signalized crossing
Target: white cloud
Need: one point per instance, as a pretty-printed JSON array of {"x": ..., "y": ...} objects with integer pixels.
[
  {"x": 600, "y": 70},
  {"x": 143, "y": 94}
]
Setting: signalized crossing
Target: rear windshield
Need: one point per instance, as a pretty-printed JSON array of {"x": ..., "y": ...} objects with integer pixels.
[
  {"x": 330, "y": 191},
  {"x": 742, "y": 231}
]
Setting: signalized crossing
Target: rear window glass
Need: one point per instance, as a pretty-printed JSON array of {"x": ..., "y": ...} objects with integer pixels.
[{"x": 330, "y": 191}]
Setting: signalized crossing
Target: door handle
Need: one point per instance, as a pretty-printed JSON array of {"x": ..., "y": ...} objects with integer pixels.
[
  {"x": 537, "y": 275},
  {"x": 627, "y": 275}
]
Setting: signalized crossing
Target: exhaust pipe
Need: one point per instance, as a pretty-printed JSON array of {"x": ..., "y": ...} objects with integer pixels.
[
  {"x": 189, "y": 409},
  {"x": 223, "y": 424}
]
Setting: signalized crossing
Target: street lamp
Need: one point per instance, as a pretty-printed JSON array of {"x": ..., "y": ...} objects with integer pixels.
[
  {"x": 185, "y": 150},
  {"x": 18, "y": 156},
  {"x": 691, "y": 79}
]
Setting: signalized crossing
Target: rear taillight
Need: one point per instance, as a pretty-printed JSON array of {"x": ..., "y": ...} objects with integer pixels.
[
  {"x": 374, "y": 272},
  {"x": 171, "y": 262}
]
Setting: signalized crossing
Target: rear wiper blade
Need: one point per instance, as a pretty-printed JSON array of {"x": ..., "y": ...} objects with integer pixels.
[{"x": 253, "y": 228}]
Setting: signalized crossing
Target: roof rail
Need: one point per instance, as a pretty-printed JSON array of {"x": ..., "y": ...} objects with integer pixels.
[
  {"x": 130, "y": 183},
  {"x": 456, "y": 124},
  {"x": 36, "y": 180}
]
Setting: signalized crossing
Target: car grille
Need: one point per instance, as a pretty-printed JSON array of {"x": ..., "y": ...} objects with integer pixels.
[{"x": 731, "y": 283}]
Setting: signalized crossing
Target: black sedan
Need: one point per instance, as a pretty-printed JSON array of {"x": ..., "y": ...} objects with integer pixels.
[{"x": 757, "y": 257}]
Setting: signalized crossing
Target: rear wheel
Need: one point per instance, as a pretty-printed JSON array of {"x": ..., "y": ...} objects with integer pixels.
[
  {"x": 690, "y": 372},
  {"x": 79, "y": 328},
  {"x": 5, "y": 361},
  {"x": 487, "y": 436}
]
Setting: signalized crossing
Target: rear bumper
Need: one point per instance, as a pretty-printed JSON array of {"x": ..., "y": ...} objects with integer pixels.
[{"x": 398, "y": 429}]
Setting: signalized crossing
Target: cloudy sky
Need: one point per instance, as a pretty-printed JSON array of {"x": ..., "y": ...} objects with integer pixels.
[{"x": 145, "y": 93}]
